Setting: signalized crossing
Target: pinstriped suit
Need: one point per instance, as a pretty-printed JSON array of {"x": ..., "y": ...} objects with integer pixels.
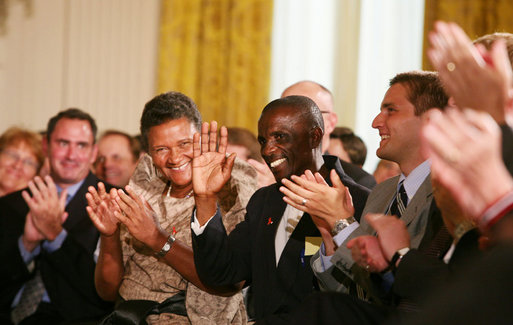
[{"x": 415, "y": 217}]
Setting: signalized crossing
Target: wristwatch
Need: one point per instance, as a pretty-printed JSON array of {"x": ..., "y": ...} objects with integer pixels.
[
  {"x": 341, "y": 224},
  {"x": 462, "y": 228},
  {"x": 398, "y": 256},
  {"x": 166, "y": 247}
]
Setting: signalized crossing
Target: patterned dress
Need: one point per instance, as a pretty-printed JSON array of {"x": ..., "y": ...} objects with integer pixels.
[{"x": 147, "y": 278}]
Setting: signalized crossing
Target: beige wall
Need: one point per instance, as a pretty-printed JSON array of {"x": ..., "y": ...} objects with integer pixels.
[
  {"x": 346, "y": 64},
  {"x": 98, "y": 55}
]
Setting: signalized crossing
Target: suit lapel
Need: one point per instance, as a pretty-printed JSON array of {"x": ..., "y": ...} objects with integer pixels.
[
  {"x": 78, "y": 223},
  {"x": 284, "y": 275},
  {"x": 273, "y": 212},
  {"x": 384, "y": 193},
  {"x": 388, "y": 195},
  {"x": 419, "y": 201},
  {"x": 378, "y": 201}
]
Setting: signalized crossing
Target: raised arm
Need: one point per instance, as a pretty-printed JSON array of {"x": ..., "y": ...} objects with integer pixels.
[
  {"x": 464, "y": 148},
  {"x": 109, "y": 267},
  {"x": 475, "y": 77},
  {"x": 142, "y": 223},
  {"x": 211, "y": 169}
]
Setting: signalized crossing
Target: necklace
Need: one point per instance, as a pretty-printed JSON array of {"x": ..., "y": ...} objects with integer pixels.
[
  {"x": 169, "y": 187},
  {"x": 189, "y": 194}
]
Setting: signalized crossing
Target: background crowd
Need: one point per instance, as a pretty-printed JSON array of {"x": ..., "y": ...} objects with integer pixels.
[{"x": 193, "y": 222}]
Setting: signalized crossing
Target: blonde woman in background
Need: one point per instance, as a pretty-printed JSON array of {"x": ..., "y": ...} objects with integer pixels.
[{"x": 21, "y": 157}]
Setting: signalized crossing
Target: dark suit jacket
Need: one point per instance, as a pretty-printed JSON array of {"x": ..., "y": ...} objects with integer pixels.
[
  {"x": 359, "y": 175},
  {"x": 68, "y": 273},
  {"x": 480, "y": 295},
  {"x": 418, "y": 275},
  {"x": 507, "y": 147},
  {"x": 475, "y": 288},
  {"x": 248, "y": 253}
]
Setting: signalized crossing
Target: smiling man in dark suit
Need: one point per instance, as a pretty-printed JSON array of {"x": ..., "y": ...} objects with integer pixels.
[
  {"x": 351, "y": 269},
  {"x": 271, "y": 249},
  {"x": 47, "y": 240},
  {"x": 324, "y": 100}
]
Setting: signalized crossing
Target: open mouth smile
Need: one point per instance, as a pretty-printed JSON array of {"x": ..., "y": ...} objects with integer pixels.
[
  {"x": 277, "y": 162},
  {"x": 182, "y": 167}
]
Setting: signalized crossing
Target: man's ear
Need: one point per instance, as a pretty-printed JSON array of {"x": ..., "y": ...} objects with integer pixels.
[
  {"x": 316, "y": 137},
  {"x": 333, "y": 119},
  {"x": 451, "y": 102}
]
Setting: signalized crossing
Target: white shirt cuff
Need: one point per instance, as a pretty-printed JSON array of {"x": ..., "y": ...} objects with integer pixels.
[{"x": 195, "y": 225}]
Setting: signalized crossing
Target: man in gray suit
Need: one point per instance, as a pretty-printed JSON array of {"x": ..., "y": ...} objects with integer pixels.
[{"x": 399, "y": 122}]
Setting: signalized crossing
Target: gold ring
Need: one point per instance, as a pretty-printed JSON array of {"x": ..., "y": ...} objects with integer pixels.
[{"x": 451, "y": 66}]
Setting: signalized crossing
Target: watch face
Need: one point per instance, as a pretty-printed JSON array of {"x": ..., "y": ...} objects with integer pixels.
[
  {"x": 339, "y": 225},
  {"x": 166, "y": 247}
]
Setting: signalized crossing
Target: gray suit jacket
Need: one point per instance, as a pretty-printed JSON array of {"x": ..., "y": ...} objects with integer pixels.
[{"x": 415, "y": 217}]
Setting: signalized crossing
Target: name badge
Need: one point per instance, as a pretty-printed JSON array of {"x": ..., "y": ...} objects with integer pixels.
[{"x": 312, "y": 245}]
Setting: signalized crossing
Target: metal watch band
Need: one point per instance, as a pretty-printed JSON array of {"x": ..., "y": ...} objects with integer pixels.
[
  {"x": 166, "y": 247},
  {"x": 341, "y": 224}
]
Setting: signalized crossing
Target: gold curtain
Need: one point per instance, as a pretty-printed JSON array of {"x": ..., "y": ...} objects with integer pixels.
[
  {"x": 218, "y": 53},
  {"x": 476, "y": 17}
]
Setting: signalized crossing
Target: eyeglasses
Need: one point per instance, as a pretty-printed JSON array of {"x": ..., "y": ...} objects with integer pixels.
[
  {"x": 14, "y": 157},
  {"x": 325, "y": 112}
]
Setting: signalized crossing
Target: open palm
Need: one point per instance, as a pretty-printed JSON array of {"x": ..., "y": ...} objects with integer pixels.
[
  {"x": 101, "y": 208},
  {"x": 211, "y": 169}
]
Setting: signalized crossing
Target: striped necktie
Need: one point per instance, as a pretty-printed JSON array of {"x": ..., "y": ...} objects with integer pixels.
[
  {"x": 30, "y": 299},
  {"x": 400, "y": 202}
]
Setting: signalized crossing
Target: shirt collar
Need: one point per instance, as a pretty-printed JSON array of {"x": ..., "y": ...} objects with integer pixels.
[
  {"x": 72, "y": 190},
  {"x": 415, "y": 178}
]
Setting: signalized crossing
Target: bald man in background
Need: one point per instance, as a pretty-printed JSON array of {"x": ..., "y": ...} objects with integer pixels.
[{"x": 324, "y": 99}]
